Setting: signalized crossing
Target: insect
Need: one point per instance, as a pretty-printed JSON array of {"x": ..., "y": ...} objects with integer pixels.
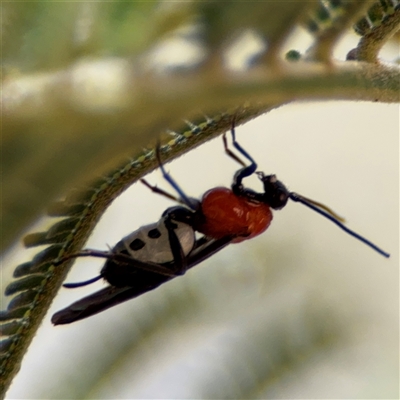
[{"x": 159, "y": 252}]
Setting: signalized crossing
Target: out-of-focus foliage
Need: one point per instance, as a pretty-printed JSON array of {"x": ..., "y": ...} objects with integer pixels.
[{"x": 86, "y": 85}]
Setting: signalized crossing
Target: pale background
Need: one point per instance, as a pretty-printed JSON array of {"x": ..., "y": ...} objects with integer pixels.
[{"x": 343, "y": 154}]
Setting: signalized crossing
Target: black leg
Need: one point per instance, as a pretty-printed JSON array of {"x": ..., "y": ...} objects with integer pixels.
[
  {"x": 179, "y": 265},
  {"x": 230, "y": 153},
  {"x": 162, "y": 192},
  {"x": 246, "y": 170},
  {"x": 184, "y": 199},
  {"x": 119, "y": 258}
]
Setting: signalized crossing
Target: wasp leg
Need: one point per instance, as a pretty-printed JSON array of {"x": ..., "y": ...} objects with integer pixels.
[
  {"x": 162, "y": 192},
  {"x": 191, "y": 203},
  {"x": 246, "y": 170},
  {"x": 111, "y": 296},
  {"x": 120, "y": 258},
  {"x": 230, "y": 153},
  {"x": 183, "y": 215}
]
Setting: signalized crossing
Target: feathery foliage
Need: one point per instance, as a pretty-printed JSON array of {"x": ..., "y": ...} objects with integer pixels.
[{"x": 86, "y": 86}]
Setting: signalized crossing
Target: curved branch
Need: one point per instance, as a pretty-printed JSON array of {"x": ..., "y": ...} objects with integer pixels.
[
  {"x": 39, "y": 280},
  {"x": 327, "y": 38},
  {"x": 372, "y": 42},
  {"x": 64, "y": 146}
]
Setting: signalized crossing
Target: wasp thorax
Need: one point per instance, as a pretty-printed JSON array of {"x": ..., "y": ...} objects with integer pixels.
[{"x": 275, "y": 192}]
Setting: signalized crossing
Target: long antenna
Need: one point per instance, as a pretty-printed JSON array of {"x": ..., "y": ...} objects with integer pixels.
[
  {"x": 323, "y": 207},
  {"x": 320, "y": 208},
  {"x": 332, "y": 217}
]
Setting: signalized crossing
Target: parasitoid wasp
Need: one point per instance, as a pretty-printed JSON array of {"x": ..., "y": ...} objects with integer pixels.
[{"x": 159, "y": 252}]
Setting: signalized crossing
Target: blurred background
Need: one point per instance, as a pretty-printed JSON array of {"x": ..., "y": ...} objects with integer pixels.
[{"x": 302, "y": 311}]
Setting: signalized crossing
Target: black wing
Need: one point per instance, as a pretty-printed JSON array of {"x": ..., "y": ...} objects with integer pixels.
[
  {"x": 111, "y": 295},
  {"x": 95, "y": 303}
]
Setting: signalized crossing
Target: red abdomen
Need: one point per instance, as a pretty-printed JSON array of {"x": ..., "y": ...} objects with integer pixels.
[{"x": 228, "y": 214}]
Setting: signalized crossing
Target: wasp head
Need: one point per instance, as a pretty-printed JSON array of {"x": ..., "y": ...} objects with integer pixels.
[{"x": 275, "y": 194}]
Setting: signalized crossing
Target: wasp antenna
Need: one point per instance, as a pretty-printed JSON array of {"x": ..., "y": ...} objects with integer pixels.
[
  {"x": 315, "y": 206},
  {"x": 323, "y": 206},
  {"x": 172, "y": 182},
  {"x": 80, "y": 284}
]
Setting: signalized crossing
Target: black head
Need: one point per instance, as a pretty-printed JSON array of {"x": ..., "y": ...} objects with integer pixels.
[{"x": 275, "y": 194}]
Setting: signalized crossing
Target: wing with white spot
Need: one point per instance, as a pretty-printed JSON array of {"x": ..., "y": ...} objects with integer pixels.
[{"x": 112, "y": 296}]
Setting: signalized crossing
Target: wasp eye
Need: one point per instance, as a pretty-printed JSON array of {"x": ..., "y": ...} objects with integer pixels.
[{"x": 275, "y": 193}]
